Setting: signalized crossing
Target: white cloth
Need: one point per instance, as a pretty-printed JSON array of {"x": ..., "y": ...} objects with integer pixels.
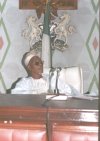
[
  {"x": 30, "y": 86},
  {"x": 29, "y": 56},
  {"x": 39, "y": 86}
]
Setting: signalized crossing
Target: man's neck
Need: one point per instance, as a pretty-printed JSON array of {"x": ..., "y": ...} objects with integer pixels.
[{"x": 36, "y": 76}]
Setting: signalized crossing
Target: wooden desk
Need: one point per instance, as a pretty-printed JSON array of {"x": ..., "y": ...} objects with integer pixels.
[{"x": 74, "y": 119}]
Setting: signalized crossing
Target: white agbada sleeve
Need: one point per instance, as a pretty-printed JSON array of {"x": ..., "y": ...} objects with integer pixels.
[
  {"x": 22, "y": 87},
  {"x": 30, "y": 86},
  {"x": 37, "y": 86}
]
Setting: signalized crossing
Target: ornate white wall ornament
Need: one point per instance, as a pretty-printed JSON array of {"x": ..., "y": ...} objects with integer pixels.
[
  {"x": 59, "y": 33},
  {"x": 63, "y": 29},
  {"x": 33, "y": 32}
]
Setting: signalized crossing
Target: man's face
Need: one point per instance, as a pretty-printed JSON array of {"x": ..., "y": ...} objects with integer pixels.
[{"x": 35, "y": 66}]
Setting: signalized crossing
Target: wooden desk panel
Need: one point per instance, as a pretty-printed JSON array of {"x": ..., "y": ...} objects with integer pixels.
[{"x": 58, "y": 119}]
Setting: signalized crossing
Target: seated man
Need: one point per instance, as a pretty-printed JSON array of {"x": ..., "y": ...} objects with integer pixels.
[{"x": 36, "y": 82}]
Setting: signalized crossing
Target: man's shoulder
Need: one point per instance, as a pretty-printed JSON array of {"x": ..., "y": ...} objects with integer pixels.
[{"x": 26, "y": 78}]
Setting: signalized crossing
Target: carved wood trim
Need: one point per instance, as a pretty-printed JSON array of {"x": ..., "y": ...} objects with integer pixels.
[{"x": 60, "y": 4}]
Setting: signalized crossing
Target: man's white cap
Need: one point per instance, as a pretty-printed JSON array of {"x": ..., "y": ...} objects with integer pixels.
[{"x": 30, "y": 55}]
